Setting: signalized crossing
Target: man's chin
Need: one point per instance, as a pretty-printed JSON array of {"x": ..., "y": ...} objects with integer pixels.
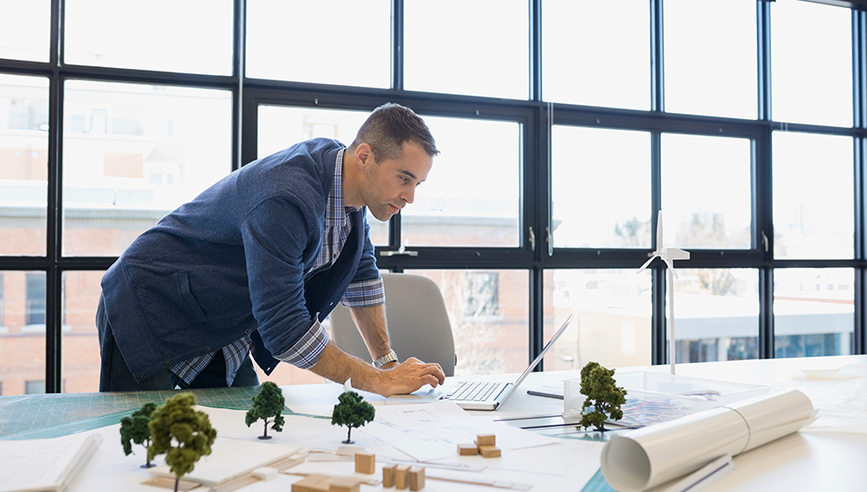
[{"x": 382, "y": 216}]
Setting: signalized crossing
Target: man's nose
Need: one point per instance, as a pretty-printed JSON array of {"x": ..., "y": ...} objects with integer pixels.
[{"x": 409, "y": 196}]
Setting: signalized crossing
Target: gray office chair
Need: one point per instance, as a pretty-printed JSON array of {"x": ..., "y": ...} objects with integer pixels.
[{"x": 418, "y": 323}]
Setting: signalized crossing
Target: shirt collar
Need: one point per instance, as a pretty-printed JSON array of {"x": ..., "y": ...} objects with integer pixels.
[{"x": 336, "y": 212}]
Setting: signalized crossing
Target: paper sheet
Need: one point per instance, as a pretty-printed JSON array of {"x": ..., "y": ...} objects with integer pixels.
[
  {"x": 653, "y": 455},
  {"x": 44, "y": 464},
  {"x": 842, "y": 392},
  {"x": 433, "y": 431},
  {"x": 319, "y": 399}
]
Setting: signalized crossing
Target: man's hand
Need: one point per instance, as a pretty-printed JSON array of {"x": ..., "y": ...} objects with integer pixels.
[
  {"x": 408, "y": 376},
  {"x": 390, "y": 379}
]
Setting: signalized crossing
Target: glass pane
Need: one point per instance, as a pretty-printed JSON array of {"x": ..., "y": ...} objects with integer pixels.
[
  {"x": 472, "y": 194},
  {"x": 706, "y": 197},
  {"x": 23, "y": 165},
  {"x": 710, "y": 66},
  {"x": 22, "y": 332},
  {"x": 811, "y": 63},
  {"x": 813, "y": 196},
  {"x": 716, "y": 314},
  {"x": 612, "y": 321},
  {"x": 306, "y": 42},
  {"x": 80, "y": 342},
  {"x": 280, "y": 127},
  {"x": 488, "y": 312},
  {"x": 193, "y": 36},
  {"x": 814, "y": 312},
  {"x": 25, "y": 29},
  {"x": 592, "y": 171},
  {"x": 133, "y": 153},
  {"x": 450, "y": 47},
  {"x": 596, "y": 53}
]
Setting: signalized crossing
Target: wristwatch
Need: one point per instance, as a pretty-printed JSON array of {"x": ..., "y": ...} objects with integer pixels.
[{"x": 385, "y": 359}]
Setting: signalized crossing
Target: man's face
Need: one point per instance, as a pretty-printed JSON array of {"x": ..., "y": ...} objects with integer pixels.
[{"x": 387, "y": 186}]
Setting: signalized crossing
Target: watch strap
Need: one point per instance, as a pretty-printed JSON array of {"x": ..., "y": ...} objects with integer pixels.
[{"x": 385, "y": 359}]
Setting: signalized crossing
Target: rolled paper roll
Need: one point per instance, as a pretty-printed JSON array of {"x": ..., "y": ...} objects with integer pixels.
[{"x": 653, "y": 455}]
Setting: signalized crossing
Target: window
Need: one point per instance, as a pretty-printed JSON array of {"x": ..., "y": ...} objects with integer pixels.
[
  {"x": 813, "y": 312},
  {"x": 81, "y": 360},
  {"x": 813, "y": 218},
  {"x": 34, "y": 387},
  {"x": 596, "y": 53},
  {"x": 120, "y": 172},
  {"x": 591, "y": 170},
  {"x": 706, "y": 190},
  {"x": 565, "y": 127},
  {"x": 472, "y": 196},
  {"x": 450, "y": 47},
  {"x": 710, "y": 57},
  {"x": 483, "y": 297},
  {"x": 488, "y": 314},
  {"x": 327, "y": 42},
  {"x": 807, "y": 62},
  {"x": 612, "y": 324},
  {"x": 25, "y": 35},
  {"x": 716, "y": 314},
  {"x": 34, "y": 311},
  {"x": 191, "y": 36},
  {"x": 23, "y": 164}
]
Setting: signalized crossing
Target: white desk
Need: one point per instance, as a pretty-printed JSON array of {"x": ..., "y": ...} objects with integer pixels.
[{"x": 806, "y": 460}]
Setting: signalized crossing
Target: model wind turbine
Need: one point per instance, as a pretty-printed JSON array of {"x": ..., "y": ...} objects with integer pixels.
[{"x": 668, "y": 255}]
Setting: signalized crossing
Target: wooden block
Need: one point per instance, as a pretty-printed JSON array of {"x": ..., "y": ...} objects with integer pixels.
[
  {"x": 265, "y": 473},
  {"x": 365, "y": 463},
  {"x": 486, "y": 440},
  {"x": 416, "y": 478},
  {"x": 401, "y": 475},
  {"x": 468, "y": 449},
  {"x": 343, "y": 484},
  {"x": 489, "y": 451},
  {"x": 311, "y": 483},
  {"x": 169, "y": 483},
  {"x": 388, "y": 476}
]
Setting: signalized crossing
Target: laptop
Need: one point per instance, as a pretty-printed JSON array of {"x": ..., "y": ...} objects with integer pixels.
[{"x": 489, "y": 395}]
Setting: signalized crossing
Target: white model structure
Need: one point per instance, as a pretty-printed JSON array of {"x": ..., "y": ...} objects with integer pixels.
[{"x": 668, "y": 255}]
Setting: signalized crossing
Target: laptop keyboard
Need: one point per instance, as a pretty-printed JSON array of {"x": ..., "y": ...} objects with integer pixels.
[{"x": 473, "y": 390}]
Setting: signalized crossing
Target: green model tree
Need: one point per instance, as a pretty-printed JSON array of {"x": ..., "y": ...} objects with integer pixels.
[
  {"x": 134, "y": 429},
  {"x": 598, "y": 384},
  {"x": 352, "y": 411},
  {"x": 191, "y": 429},
  {"x": 267, "y": 404}
]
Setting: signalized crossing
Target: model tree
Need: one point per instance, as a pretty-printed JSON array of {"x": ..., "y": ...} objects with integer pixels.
[
  {"x": 267, "y": 404},
  {"x": 134, "y": 429},
  {"x": 352, "y": 411},
  {"x": 176, "y": 420},
  {"x": 603, "y": 394}
]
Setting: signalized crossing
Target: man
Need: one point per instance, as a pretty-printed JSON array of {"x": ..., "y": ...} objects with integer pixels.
[{"x": 258, "y": 260}]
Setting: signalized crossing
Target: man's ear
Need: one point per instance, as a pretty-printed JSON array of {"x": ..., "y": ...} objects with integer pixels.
[{"x": 363, "y": 155}]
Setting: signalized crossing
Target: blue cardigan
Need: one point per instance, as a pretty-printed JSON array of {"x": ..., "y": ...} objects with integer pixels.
[{"x": 232, "y": 262}]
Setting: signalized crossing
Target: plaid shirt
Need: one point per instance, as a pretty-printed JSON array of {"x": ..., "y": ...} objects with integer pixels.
[{"x": 306, "y": 351}]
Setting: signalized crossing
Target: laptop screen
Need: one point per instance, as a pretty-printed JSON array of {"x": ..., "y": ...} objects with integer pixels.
[{"x": 539, "y": 357}]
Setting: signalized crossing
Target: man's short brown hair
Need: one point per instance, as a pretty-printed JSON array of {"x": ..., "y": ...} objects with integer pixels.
[{"x": 388, "y": 127}]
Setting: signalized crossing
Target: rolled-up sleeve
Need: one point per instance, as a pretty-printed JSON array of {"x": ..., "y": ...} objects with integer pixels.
[
  {"x": 307, "y": 350},
  {"x": 364, "y": 293}
]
